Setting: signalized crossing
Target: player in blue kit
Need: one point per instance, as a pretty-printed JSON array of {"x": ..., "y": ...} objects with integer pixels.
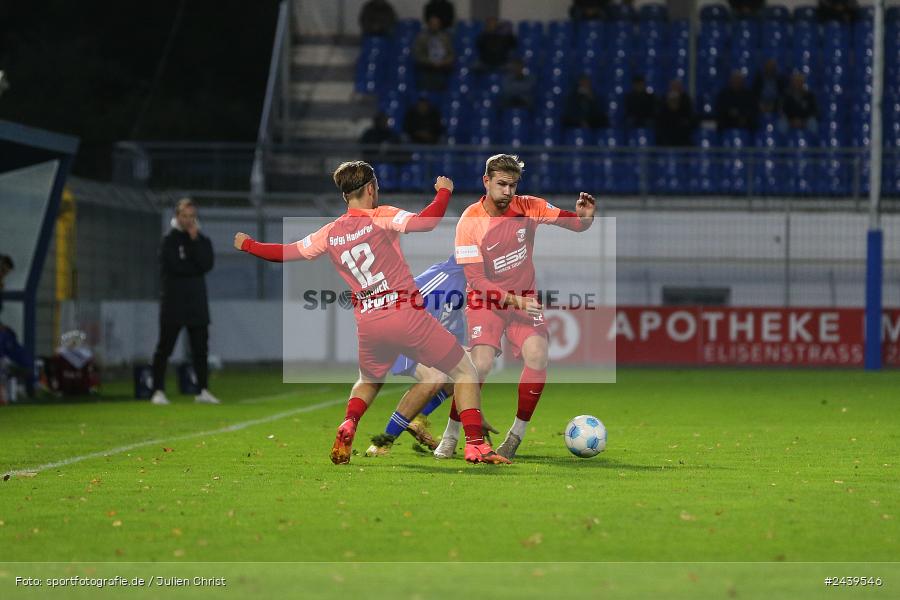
[{"x": 443, "y": 289}]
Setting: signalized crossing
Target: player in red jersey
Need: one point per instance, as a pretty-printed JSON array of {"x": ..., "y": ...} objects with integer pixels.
[
  {"x": 495, "y": 244},
  {"x": 364, "y": 246}
]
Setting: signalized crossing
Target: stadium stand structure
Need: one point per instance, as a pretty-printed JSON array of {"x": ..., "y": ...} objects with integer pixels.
[{"x": 836, "y": 59}]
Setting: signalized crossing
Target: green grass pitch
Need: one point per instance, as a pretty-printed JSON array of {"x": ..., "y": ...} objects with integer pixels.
[{"x": 715, "y": 483}]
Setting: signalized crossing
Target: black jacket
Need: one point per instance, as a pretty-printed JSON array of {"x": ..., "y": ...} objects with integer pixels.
[{"x": 183, "y": 262}]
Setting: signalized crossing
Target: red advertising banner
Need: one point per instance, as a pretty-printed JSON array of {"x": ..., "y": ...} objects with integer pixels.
[{"x": 680, "y": 335}]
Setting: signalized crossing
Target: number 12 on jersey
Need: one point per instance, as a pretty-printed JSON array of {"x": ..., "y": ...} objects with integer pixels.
[{"x": 361, "y": 271}]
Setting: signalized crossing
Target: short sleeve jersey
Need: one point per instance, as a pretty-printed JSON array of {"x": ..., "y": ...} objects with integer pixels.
[
  {"x": 504, "y": 244},
  {"x": 364, "y": 246}
]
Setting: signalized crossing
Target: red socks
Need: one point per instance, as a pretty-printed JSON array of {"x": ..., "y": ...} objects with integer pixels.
[
  {"x": 453, "y": 412},
  {"x": 531, "y": 385},
  {"x": 356, "y": 408},
  {"x": 471, "y": 422}
]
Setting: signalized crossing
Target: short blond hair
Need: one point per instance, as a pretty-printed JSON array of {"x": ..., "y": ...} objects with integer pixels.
[
  {"x": 350, "y": 176},
  {"x": 505, "y": 163},
  {"x": 184, "y": 203}
]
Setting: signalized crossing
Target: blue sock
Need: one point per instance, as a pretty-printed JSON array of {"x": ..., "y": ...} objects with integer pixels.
[
  {"x": 434, "y": 402},
  {"x": 396, "y": 425}
]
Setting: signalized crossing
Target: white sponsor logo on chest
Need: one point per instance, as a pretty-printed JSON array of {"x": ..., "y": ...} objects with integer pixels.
[{"x": 510, "y": 260}]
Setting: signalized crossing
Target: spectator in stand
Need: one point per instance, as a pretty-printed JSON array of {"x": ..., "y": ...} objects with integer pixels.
[
  {"x": 838, "y": 10},
  {"x": 640, "y": 104},
  {"x": 736, "y": 105},
  {"x": 746, "y": 9},
  {"x": 768, "y": 88},
  {"x": 433, "y": 53},
  {"x": 422, "y": 122},
  {"x": 675, "y": 120},
  {"x": 588, "y": 10},
  {"x": 443, "y": 10},
  {"x": 377, "y": 17},
  {"x": 518, "y": 87},
  {"x": 583, "y": 108},
  {"x": 495, "y": 44},
  {"x": 377, "y": 140},
  {"x": 798, "y": 106}
]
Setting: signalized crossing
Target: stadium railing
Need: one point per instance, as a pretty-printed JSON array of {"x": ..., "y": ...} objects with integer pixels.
[{"x": 626, "y": 171}]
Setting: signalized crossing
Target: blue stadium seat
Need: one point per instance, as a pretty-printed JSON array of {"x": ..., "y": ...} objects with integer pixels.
[
  {"x": 466, "y": 52},
  {"x": 833, "y": 173},
  {"x": 802, "y": 164},
  {"x": 734, "y": 163},
  {"x": 446, "y": 164},
  {"x": 408, "y": 27},
  {"x": 715, "y": 12},
  {"x": 768, "y": 164},
  {"x": 890, "y": 180},
  {"x": 560, "y": 30},
  {"x": 578, "y": 136},
  {"x": 530, "y": 30},
  {"x": 412, "y": 177},
  {"x": 745, "y": 46},
  {"x": 610, "y": 174},
  {"x": 705, "y": 165},
  {"x": 679, "y": 50},
  {"x": 545, "y": 171},
  {"x": 671, "y": 173},
  {"x": 464, "y": 29},
  {"x": 515, "y": 128},
  {"x": 387, "y": 175},
  {"x": 776, "y": 13},
  {"x": 805, "y": 13},
  {"x": 577, "y": 172},
  {"x": 620, "y": 12},
  {"x": 371, "y": 64},
  {"x": 653, "y": 12},
  {"x": 591, "y": 34},
  {"x": 775, "y": 42}
]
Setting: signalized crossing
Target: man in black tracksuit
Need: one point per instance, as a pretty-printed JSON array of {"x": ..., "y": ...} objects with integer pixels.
[{"x": 185, "y": 256}]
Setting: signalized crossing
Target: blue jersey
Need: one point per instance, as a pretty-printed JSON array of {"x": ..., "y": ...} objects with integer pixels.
[{"x": 443, "y": 289}]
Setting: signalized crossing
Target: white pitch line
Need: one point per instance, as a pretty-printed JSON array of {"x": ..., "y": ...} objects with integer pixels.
[
  {"x": 261, "y": 399},
  {"x": 228, "y": 429}
]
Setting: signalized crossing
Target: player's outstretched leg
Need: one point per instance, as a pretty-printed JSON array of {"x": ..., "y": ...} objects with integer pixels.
[
  {"x": 362, "y": 394},
  {"x": 531, "y": 386},
  {"x": 407, "y": 417},
  {"x": 450, "y": 439},
  {"x": 468, "y": 399}
]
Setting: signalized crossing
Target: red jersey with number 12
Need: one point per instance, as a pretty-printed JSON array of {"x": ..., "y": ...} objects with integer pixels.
[{"x": 364, "y": 246}]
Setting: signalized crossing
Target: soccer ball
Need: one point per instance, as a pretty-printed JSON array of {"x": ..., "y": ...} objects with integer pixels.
[{"x": 585, "y": 436}]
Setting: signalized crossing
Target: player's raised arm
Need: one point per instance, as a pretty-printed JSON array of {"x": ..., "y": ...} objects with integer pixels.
[
  {"x": 308, "y": 248},
  {"x": 582, "y": 218},
  {"x": 428, "y": 218}
]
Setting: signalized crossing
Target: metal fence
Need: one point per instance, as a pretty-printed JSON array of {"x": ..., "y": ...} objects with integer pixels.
[
  {"x": 790, "y": 252},
  {"x": 748, "y": 172}
]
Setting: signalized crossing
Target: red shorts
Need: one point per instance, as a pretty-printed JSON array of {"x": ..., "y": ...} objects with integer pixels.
[
  {"x": 414, "y": 333},
  {"x": 487, "y": 326}
]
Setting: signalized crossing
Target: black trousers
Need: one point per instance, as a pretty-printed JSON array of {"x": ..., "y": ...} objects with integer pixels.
[{"x": 198, "y": 335}]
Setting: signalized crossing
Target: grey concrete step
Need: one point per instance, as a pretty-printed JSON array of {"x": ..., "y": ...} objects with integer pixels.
[
  {"x": 363, "y": 107},
  {"x": 323, "y": 54},
  {"x": 327, "y": 129},
  {"x": 302, "y": 73}
]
